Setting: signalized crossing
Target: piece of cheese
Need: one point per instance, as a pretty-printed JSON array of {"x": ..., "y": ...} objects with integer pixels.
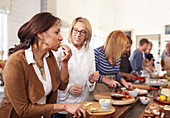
[
  {"x": 92, "y": 109},
  {"x": 166, "y": 92},
  {"x": 87, "y": 104},
  {"x": 106, "y": 100}
]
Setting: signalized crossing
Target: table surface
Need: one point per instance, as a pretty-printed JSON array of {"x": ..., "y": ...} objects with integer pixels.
[
  {"x": 133, "y": 110},
  {"x": 151, "y": 102}
]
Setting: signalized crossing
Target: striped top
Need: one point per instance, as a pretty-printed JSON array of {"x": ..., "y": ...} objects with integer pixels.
[{"x": 104, "y": 67}]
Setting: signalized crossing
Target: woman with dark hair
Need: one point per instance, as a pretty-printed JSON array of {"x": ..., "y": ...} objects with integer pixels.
[
  {"x": 125, "y": 67},
  {"x": 32, "y": 77}
]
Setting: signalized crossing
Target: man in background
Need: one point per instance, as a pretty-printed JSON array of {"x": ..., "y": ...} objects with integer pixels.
[
  {"x": 165, "y": 59},
  {"x": 136, "y": 59}
]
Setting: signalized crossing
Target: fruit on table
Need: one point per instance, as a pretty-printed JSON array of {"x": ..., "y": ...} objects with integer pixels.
[
  {"x": 128, "y": 96},
  {"x": 168, "y": 99},
  {"x": 127, "y": 93},
  {"x": 162, "y": 97}
]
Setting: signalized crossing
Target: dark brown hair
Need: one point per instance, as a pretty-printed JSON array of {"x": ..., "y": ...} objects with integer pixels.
[
  {"x": 143, "y": 41},
  {"x": 129, "y": 39},
  {"x": 27, "y": 33},
  {"x": 127, "y": 55}
]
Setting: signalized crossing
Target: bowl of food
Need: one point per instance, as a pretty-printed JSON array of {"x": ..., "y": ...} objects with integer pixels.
[
  {"x": 105, "y": 103},
  {"x": 117, "y": 96},
  {"x": 133, "y": 93},
  {"x": 144, "y": 100}
]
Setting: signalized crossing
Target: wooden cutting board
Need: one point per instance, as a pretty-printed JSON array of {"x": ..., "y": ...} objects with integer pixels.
[
  {"x": 97, "y": 105},
  {"x": 143, "y": 93},
  {"x": 147, "y": 87},
  {"x": 107, "y": 95}
]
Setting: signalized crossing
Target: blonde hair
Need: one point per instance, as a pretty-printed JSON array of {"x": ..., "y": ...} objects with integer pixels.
[
  {"x": 88, "y": 30},
  {"x": 115, "y": 44}
]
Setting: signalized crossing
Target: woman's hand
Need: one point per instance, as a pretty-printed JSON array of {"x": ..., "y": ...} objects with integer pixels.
[
  {"x": 93, "y": 77},
  {"x": 76, "y": 89},
  {"x": 76, "y": 109},
  {"x": 67, "y": 53},
  {"x": 126, "y": 84},
  {"x": 131, "y": 77},
  {"x": 110, "y": 82}
]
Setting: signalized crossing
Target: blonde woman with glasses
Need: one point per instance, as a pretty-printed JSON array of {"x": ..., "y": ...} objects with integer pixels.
[
  {"x": 81, "y": 65},
  {"x": 108, "y": 60}
]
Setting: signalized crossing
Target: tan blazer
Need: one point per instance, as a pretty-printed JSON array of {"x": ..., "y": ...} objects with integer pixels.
[{"x": 23, "y": 88}]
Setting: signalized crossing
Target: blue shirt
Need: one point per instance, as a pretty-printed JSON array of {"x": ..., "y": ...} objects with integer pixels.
[
  {"x": 164, "y": 54},
  {"x": 136, "y": 61},
  {"x": 104, "y": 67}
]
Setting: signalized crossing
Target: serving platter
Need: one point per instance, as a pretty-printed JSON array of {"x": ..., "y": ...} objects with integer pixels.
[
  {"x": 141, "y": 91},
  {"x": 158, "y": 100},
  {"x": 107, "y": 95},
  {"x": 96, "y": 107},
  {"x": 158, "y": 82}
]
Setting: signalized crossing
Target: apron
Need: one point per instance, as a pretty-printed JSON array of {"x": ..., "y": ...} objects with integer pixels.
[
  {"x": 100, "y": 87},
  {"x": 167, "y": 64}
]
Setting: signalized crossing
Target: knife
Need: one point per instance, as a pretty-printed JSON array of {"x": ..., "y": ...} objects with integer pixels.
[{"x": 98, "y": 111}]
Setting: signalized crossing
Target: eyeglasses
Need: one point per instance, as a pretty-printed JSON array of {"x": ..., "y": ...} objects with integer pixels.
[{"x": 82, "y": 32}]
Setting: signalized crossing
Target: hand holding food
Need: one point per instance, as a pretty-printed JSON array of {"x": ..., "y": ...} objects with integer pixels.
[
  {"x": 76, "y": 89},
  {"x": 67, "y": 53},
  {"x": 93, "y": 77}
]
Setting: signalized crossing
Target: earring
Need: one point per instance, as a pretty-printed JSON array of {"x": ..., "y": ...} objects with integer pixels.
[{"x": 42, "y": 41}]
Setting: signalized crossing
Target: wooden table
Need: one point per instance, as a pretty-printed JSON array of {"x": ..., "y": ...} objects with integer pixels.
[
  {"x": 151, "y": 102},
  {"x": 133, "y": 110}
]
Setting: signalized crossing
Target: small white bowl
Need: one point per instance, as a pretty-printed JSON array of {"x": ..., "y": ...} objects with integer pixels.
[
  {"x": 133, "y": 93},
  {"x": 105, "y": 103},
  {"x": 144, "y": 100}
]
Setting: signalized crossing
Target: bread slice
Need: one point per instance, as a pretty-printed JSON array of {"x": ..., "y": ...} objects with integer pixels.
[{"x": 166, "y": 92}]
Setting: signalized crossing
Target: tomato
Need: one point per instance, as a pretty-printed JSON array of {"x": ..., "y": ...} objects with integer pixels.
[
  {"x": 118, "y": 92},
  {"x": 129, "y": 96},
  {"x": 127, "y": 93},
  {"x": 123, "y": 93},
  {"x": 126, "y": 96}
]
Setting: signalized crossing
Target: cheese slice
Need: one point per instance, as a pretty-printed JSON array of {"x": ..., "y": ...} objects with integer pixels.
[{"x": 166, "y": 92}]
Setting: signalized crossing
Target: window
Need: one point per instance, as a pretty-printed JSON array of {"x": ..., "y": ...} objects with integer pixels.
[{"x": 3, "y": 34}]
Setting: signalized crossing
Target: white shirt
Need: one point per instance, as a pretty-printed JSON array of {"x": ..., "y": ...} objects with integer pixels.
[
  {"x": 46, "y": 84},
  {"x": 80, "y": 66}
]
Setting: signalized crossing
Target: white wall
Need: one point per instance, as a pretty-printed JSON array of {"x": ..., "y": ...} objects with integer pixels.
[
  {"x": 21, "y": 11},
  {"x": 143, "y": 16},
  {"x": 96, "y": 11}
]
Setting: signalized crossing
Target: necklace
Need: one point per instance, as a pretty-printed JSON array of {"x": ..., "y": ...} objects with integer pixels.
[{"x": 41, "y": 67}]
